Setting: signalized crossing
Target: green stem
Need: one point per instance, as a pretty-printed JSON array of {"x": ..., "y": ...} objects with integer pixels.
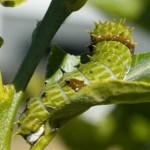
[
  {"x": 53, "y": 19},
  {"x": 57, "y": 12}
]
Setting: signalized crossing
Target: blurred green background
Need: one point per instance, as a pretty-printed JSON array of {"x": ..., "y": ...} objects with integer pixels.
[{"x": 121, "y": 127}]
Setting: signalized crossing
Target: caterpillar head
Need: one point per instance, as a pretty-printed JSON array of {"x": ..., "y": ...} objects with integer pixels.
[{"x": 113, "y": 31}]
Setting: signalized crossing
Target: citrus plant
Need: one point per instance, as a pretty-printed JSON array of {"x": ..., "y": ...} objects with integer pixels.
[{"x": 112, "y": 74}]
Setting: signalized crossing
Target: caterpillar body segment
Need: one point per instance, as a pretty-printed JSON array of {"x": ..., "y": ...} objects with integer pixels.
[
  {"x": 35, "y": 119},
  {"x": 111, "y": 54},
  {"x": 115, "y": 62}
]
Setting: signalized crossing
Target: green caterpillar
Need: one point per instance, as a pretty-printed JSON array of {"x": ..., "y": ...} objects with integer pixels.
[{"x": 111, "y": 48}]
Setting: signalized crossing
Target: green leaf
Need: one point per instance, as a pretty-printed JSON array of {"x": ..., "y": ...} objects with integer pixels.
[
  {"x": 1, "y": 42},
  {"x": 8, "y": 108},
  {"x": 11, "y": 3},
  {"x": 119, "y": 91},
  {"x": 100, "y": 93},
  {"x": 140, "y": 68},
  {"x": 58, "y": 62}
]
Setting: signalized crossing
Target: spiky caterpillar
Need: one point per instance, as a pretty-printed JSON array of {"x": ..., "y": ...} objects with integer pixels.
[{"x": 112, "y": 49}]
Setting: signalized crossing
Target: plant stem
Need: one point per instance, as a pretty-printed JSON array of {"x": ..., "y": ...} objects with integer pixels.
[
  {"x": 53, "y": 19},
  {"x": 57, "y": 12}
]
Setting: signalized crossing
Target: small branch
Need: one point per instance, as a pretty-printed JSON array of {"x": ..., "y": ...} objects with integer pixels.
[
  {"x": 57, "y": 12},
  {"x": 53, "y": 19}
]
